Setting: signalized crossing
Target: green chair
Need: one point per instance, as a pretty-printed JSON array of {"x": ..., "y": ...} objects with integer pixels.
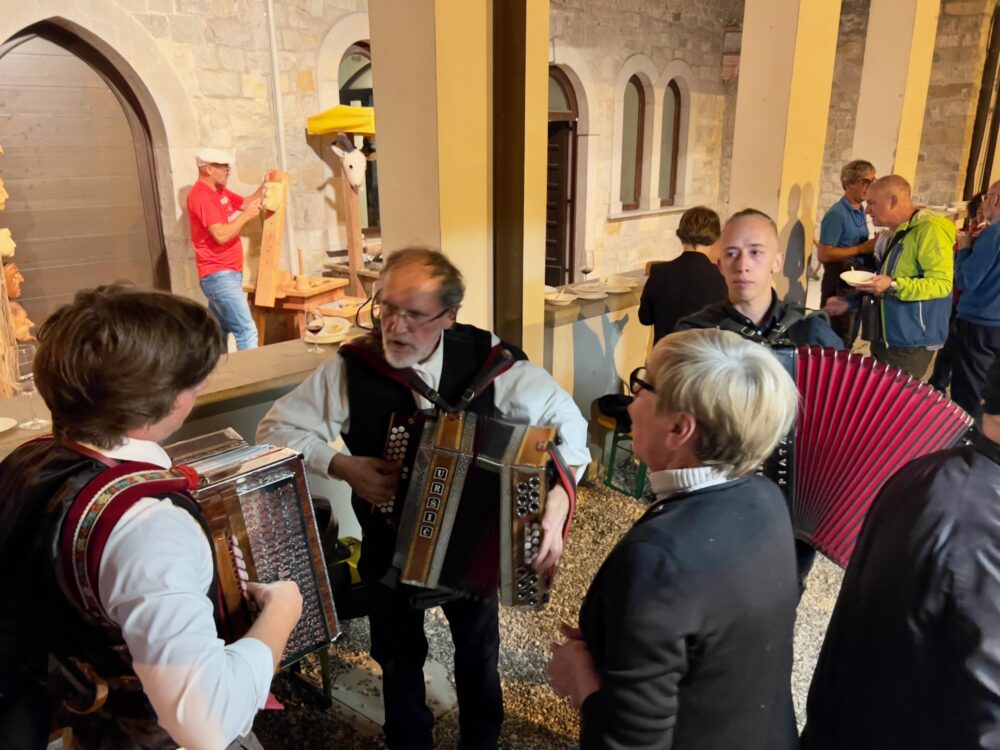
[{"x": 626, "y": 472}]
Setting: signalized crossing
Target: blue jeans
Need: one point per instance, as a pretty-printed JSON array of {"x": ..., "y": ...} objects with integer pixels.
[{"x": 228, "y": 303}]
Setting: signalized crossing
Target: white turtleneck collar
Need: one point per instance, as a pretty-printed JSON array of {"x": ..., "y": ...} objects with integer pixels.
[{"x": 673, "y": 481}]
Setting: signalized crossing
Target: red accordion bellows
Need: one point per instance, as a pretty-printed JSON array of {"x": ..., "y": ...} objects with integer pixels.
[{"x": 860, "y": 421}]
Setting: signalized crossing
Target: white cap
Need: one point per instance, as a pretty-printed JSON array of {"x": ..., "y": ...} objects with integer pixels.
[{"x": 213, "y": 156}]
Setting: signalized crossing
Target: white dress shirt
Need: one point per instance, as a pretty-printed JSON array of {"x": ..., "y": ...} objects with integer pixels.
[
  {"x": 309, "y": 418},
  {"x": 154, "y": 579}
]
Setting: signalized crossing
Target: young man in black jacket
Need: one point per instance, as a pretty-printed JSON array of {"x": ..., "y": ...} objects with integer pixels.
[{"x": 912, "y": 655}]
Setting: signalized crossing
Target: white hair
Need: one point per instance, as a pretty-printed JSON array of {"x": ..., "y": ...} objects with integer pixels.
[{"x": 741, "y": 397}]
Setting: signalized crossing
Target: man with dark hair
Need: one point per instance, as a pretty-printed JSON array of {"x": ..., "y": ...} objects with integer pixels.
[
  {"x": 977, "y": 328},
  {"x": 420, "y": 358},
  {"x": 119, "y": 591},
  {"x": 844, "y": 238},
  {"x": 911, "y": 658},
  {"x": 687, "y": 283}
]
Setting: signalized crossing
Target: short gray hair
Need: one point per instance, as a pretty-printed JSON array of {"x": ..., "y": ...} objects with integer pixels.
[
  {"x": 855, "y": 170},
  {"x": 451, "y": 289},
  {"x": 742, "y": 398}
]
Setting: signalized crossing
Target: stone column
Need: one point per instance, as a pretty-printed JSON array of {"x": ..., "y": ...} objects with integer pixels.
[
  {"x": 899, "y": 50},
  {"x": 782, "y": 106},
  {"x": 444, "y": 109}
]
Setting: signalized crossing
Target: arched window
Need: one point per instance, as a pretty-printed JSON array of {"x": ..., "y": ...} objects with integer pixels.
[
  {"x": 355, "y": 79},
  {"x": 669, "y": 143},
  {"x": 633, "y": 114}
]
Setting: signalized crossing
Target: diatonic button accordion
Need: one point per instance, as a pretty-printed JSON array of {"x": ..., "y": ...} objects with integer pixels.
[
  {"x": 256, "y": 501},
  {"x": 469, "y": 505}
]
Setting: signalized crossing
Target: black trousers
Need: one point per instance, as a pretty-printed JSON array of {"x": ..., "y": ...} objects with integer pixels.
[
  {"x": 400, "y": 647},
  {"x": 976, "y": 347}
]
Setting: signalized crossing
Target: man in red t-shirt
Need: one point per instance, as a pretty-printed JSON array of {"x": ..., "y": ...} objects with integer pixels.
[{"x": 217, "y": 216}]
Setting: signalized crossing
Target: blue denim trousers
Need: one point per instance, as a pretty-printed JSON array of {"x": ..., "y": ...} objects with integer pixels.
[{"x": 228, "y": 303}]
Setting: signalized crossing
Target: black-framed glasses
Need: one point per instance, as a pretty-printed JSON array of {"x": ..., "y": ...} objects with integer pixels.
[
  {"x": 411, "y": 321},
  {"x": 637, "y": 381}
]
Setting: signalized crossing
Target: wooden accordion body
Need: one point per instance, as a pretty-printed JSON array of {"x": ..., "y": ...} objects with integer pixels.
[
  {"x": 469, "y": 504},
  {"x": 259, "y": 511},
  {"x": 860, "y": 421}
]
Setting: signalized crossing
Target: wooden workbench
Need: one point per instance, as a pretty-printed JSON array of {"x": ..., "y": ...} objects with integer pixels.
[{"x": 292, "y": 304}]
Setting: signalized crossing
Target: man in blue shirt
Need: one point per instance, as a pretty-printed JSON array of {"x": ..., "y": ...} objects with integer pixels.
[
  {"x": 844, "y": 241},
  {"x": 977, "y": 274}
]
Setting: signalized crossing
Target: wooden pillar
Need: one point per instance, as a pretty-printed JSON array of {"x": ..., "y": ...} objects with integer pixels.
[
  {"x": 782, "y": 107},
  {"x": 899, "y": 50},
  {"x": 462, "y": 147},
  {"x": 430, "y": 64}
]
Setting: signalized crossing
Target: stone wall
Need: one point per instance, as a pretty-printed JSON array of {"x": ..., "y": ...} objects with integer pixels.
[
  {"x": 221, "y": 48},
  {"x": 843, "y": 100},
  {"x": 956, "y": 76},
  {"x": 596, "y": 39}
]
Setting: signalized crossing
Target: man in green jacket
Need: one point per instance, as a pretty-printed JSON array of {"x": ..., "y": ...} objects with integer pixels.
[{"x": 913, "y": 286}]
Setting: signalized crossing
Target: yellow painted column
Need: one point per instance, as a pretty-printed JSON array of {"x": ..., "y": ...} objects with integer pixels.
[
  {"x": 899, "y": 50},
  {"x": 782, "y": 107},
  {"x": 430, "y": 65}
]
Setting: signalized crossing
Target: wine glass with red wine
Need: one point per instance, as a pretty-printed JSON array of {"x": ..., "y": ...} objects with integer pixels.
[{"x": 315, "y": 325}]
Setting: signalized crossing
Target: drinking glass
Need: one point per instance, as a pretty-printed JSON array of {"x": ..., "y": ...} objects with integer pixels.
[
  {"x": 26, "y": 384},
  {"x": 587, "y": 264},
  {"x": 315, "y": 325}
]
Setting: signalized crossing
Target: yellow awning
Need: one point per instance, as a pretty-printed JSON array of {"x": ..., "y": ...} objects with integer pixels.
[{"x": 343, "y": 119}]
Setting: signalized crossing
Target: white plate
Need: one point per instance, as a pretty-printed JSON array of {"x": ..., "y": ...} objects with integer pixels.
[
  {"x": 335, "y": 330},
  {"x": 550, "y": 289},
  {"x": 614, "y": 289},
  {"x": 621, "y": 281},
  {"x": 560, "y": 298},
  {"x": 6, "y": 423},
  {"x": 591, "y": 295},
  {"x": 857, "y": 277}
]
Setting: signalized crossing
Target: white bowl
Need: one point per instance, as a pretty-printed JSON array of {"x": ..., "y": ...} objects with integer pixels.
[
  {"x": 857, "y": 277},
  {"x": 560, "y": 298}
]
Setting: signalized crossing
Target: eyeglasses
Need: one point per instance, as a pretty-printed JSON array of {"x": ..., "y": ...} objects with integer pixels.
[
  {"x": 223, "y": 167},
  {"x": 864, "y": 183},
  {"x": 410, "y": 320},
  {"x": 637, "y": 381}
]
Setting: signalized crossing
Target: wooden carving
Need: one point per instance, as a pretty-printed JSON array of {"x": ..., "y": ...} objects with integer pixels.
[{"x": 272, "y": 239}]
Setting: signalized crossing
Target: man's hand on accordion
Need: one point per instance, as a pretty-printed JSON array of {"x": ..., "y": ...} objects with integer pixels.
[
  {"x": 280, "y": 608},
  {"x": 553, "y": 523},
  {"x": 373, "y": 479}
]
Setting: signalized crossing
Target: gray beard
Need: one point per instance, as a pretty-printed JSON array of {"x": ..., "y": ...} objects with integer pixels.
[{"x": 400, "y": 363}]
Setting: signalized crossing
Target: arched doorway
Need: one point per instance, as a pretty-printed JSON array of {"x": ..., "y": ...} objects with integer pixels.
[
  {"x": 560, "y": 201},
  {"x": 79, "y": 168}
]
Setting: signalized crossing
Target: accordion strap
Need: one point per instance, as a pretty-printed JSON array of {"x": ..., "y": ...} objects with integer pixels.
[
  {"x": 93, "y": 514},
  {"x": 564, "y": 477},
  {"x": 498, "y": 361}
]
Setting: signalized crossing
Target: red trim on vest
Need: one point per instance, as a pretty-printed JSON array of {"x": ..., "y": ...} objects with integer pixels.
[
  {"x": 92, "y": 516},
  {"x": 376, "y": 360}
]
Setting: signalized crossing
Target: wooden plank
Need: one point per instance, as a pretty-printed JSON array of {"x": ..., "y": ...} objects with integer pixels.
[
  {"x": 355, "y": 253},
  {"x": 271, "y": 242}
]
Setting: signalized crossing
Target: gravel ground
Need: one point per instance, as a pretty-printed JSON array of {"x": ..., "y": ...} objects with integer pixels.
[{"x": 536, "y": 717}]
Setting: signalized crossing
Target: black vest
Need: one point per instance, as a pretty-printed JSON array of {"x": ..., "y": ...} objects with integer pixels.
[
  {"x": 36, "y": 617},
  {"x": 373, "y": 397}
]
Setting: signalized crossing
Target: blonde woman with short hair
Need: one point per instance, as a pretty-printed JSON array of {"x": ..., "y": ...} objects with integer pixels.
[{"x": 685, "y": 636}]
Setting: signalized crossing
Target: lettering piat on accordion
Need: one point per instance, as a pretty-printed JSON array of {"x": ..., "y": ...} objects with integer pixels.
[
  {"x": 259, "y": 511},
  {"x": 859, "y": 422},
  {"x": 469, "y": 505}
]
